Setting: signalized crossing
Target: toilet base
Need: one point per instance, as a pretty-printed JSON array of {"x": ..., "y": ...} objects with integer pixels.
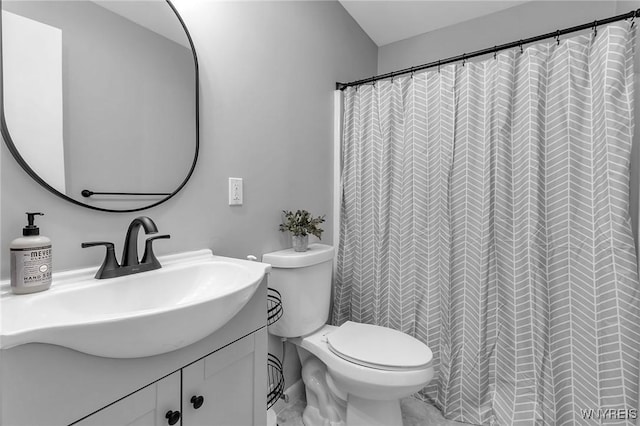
[
  {"x": 326, "y": 405},
  {"x": 323, "y": 407},
  {"x": 313, "y": 417},
  {"x": 367, "y": 412}
]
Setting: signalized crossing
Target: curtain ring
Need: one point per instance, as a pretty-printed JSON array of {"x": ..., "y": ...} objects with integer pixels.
[
  {"x": 464, "y": 59},
  {"x": 595, "y": 28},
  {"x": 438, "y": 65},
  {"x": 558, "y": 37},
  {"x": 521, "y": 49},
  {"x": 495, "y": 52},
  {"x": 633, "y": 20}
]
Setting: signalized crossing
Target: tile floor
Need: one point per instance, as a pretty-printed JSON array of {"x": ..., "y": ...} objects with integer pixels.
[{"x": 414, "y": 413}]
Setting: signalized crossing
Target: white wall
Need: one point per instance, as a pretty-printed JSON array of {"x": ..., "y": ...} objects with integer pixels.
[{"x": 267, "y": 75}]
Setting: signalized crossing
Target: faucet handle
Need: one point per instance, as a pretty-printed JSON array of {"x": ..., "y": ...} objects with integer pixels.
[
  {"x": 149, "y": 257},
  {"x": 110, "y": 263},
  {"x": 98, "y": 243}
]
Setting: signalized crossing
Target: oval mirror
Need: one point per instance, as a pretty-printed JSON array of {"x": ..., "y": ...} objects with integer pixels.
[{"x": 100, "y": 99}]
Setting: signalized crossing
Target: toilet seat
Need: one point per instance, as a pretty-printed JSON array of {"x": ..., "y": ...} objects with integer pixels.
[
  {"x": 378, "y": 347},
  {"x": 375, "y": 382}
]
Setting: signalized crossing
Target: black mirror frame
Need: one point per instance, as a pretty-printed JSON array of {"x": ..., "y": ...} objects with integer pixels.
[{"x": 14, "y": 151}]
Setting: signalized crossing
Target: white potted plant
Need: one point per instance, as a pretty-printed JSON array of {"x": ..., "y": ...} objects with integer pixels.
[{"x": 301, "y": 224}]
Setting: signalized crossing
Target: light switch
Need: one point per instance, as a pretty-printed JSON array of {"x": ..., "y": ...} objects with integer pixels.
[{"x": 235, "y": 191}]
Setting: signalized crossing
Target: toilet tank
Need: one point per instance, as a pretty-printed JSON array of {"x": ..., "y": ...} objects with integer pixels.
[{"x": 304, "y": 282}]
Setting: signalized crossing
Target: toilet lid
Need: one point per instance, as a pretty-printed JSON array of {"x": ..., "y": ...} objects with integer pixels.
[{"x": 378, "y": 347}]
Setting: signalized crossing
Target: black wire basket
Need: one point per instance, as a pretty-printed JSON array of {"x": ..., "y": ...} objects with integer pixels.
[
  {"x": 275, "y": 380},
  {"x": 274, "y": 306}
]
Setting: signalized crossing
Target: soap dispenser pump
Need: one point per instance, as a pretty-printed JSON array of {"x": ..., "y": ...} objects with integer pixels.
[{"x": 30, "y": 259}]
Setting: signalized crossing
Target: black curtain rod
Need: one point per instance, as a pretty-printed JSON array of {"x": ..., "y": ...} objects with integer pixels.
[{"x": 495, "y": 49}]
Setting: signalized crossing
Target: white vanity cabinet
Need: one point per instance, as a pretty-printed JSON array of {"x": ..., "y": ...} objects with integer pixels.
[
  {"x": 218, "y": 389},
  {"x": 48, "y": 385},
  {"x": 147, "y": 407},
  {"x": 226, "y": 405}
]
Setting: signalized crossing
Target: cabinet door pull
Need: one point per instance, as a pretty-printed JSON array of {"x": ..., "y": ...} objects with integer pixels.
[
  {"x": 173, "y": 417},
  {"x": 197, "y": 401}
]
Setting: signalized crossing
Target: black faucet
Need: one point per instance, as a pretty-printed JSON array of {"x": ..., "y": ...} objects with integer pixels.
[
  {"x": 130, "y": 250},
  {"x": 130, "y": 262}
]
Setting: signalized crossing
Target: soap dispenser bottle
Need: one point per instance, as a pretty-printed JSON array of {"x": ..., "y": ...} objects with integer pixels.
[{"x": 30, "y": 260}]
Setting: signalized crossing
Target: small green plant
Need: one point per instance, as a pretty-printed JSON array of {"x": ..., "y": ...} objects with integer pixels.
[{"x": 301, "y": 223}]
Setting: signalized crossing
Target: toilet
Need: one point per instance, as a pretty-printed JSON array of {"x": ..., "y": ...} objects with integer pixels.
[{"x": 354, "y": 374}]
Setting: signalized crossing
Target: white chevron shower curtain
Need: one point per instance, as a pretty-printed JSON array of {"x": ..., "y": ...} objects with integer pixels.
[{"x": 485, "y": 212}]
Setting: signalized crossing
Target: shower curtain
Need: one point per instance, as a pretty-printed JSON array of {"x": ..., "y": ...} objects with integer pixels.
[{"x": 485, "y": 212}]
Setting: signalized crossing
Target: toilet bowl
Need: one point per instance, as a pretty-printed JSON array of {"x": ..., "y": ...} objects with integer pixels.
[
  {"x": 354, "y": 374},
  {"x": 365, "y": 378}
]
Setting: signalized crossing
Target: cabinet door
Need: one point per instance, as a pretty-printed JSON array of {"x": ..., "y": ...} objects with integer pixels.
[
  {"x": 230, "y": 384},
  {"x": 146, "y": 407}
]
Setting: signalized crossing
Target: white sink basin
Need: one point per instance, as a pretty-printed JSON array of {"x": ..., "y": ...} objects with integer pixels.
[{"x": 145, "y": 314}]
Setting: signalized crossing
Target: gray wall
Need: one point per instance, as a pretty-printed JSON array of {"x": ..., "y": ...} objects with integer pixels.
[{"x": 267, "y": 75}]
